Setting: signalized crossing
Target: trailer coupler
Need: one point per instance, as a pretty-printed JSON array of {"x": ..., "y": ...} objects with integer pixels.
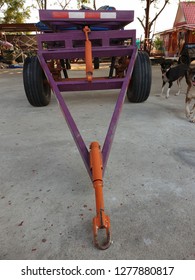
[{"x": 101, "y": 221}]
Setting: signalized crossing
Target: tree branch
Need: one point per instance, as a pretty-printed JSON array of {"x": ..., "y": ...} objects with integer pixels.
[
  {"x": 141, "y": 21},
  {"x": 151, "y": 23}
]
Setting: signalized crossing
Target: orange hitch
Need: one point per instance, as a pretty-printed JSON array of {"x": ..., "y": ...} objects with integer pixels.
[
  {"x": 101, "y": 221},
  {"x": 88, "y": 55}
]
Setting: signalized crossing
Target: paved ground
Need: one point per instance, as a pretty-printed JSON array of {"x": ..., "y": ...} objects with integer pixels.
[{"x": 46, "y": 197}]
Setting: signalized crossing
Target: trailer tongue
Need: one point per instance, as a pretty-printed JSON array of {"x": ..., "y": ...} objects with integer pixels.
[{"x": 68, "y": 35}]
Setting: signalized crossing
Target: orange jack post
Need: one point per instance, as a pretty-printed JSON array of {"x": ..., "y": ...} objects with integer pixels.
[
  {"x": 88, "y": 55},
  {"x": 101, "y": 221}
]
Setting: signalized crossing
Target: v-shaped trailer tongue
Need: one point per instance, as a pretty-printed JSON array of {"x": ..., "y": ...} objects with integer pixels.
[{"x": 92, "y": 36}]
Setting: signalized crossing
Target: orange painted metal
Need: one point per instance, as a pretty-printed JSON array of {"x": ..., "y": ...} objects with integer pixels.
[
  {"x": 88, "y": 55},
  {"x": 101, "y": 221}
]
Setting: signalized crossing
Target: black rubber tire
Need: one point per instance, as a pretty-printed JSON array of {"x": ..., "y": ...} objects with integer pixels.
[
  {"x": 96, "y": 63},
  {"x": 140, "y": 84},
  {"x": 37, "y": 89},
  {"x": 68, "y": 65}
]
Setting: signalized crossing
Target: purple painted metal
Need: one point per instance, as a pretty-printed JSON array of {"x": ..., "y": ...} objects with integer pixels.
[
  {"x": 59, "y": 20},
  {"x": 65, "y": 44},
  {"x": 68, "y": 117}
]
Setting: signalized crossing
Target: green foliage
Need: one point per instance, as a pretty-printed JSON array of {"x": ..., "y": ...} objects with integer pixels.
[
  {"x": 2, "y": 2},
  {"x": 158, "y": 43},
  {"x": 63, "y": 4},
  {"x": 14, "y": 11},
  {"x": 79, "y": 2}
]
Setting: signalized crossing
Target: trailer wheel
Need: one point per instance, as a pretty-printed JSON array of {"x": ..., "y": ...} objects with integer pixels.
[
  {"x": 96, "y": 63},
  {"x": 37, "y": 89},
  {"x": 140, "y": 84}
]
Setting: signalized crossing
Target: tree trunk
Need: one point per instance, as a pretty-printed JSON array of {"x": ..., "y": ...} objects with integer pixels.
[
  {"x": 94, "y": 4},
  {"x": 146, "y": 42}
]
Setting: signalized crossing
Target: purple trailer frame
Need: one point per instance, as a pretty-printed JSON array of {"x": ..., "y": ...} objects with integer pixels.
[{"x": 107, "y": 31}]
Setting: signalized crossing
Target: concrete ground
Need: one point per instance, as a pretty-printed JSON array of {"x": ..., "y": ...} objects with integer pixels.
[{"x": 47, "y": 199}]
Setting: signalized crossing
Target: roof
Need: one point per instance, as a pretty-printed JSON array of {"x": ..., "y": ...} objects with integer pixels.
[
  {"x": 18, "y": 27},
  {"x": 184, "y": 20},
  {"x": 185, "y": 14},
  {"x": 176, "y": 29}
]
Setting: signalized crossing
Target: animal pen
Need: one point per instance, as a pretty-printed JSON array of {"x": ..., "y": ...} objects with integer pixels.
[{"x": 87, "y": 34}]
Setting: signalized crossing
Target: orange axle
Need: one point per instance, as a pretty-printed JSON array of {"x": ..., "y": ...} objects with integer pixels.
[{"x": 101, "y": 221}]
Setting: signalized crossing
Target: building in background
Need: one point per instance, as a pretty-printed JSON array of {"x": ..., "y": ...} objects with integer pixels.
[{"x": 183, "y": 30}]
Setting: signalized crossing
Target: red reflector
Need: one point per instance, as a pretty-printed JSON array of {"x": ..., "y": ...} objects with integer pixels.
[
  {"x": 60, "y": 14},
  {"x": 92, "y": 15}
]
